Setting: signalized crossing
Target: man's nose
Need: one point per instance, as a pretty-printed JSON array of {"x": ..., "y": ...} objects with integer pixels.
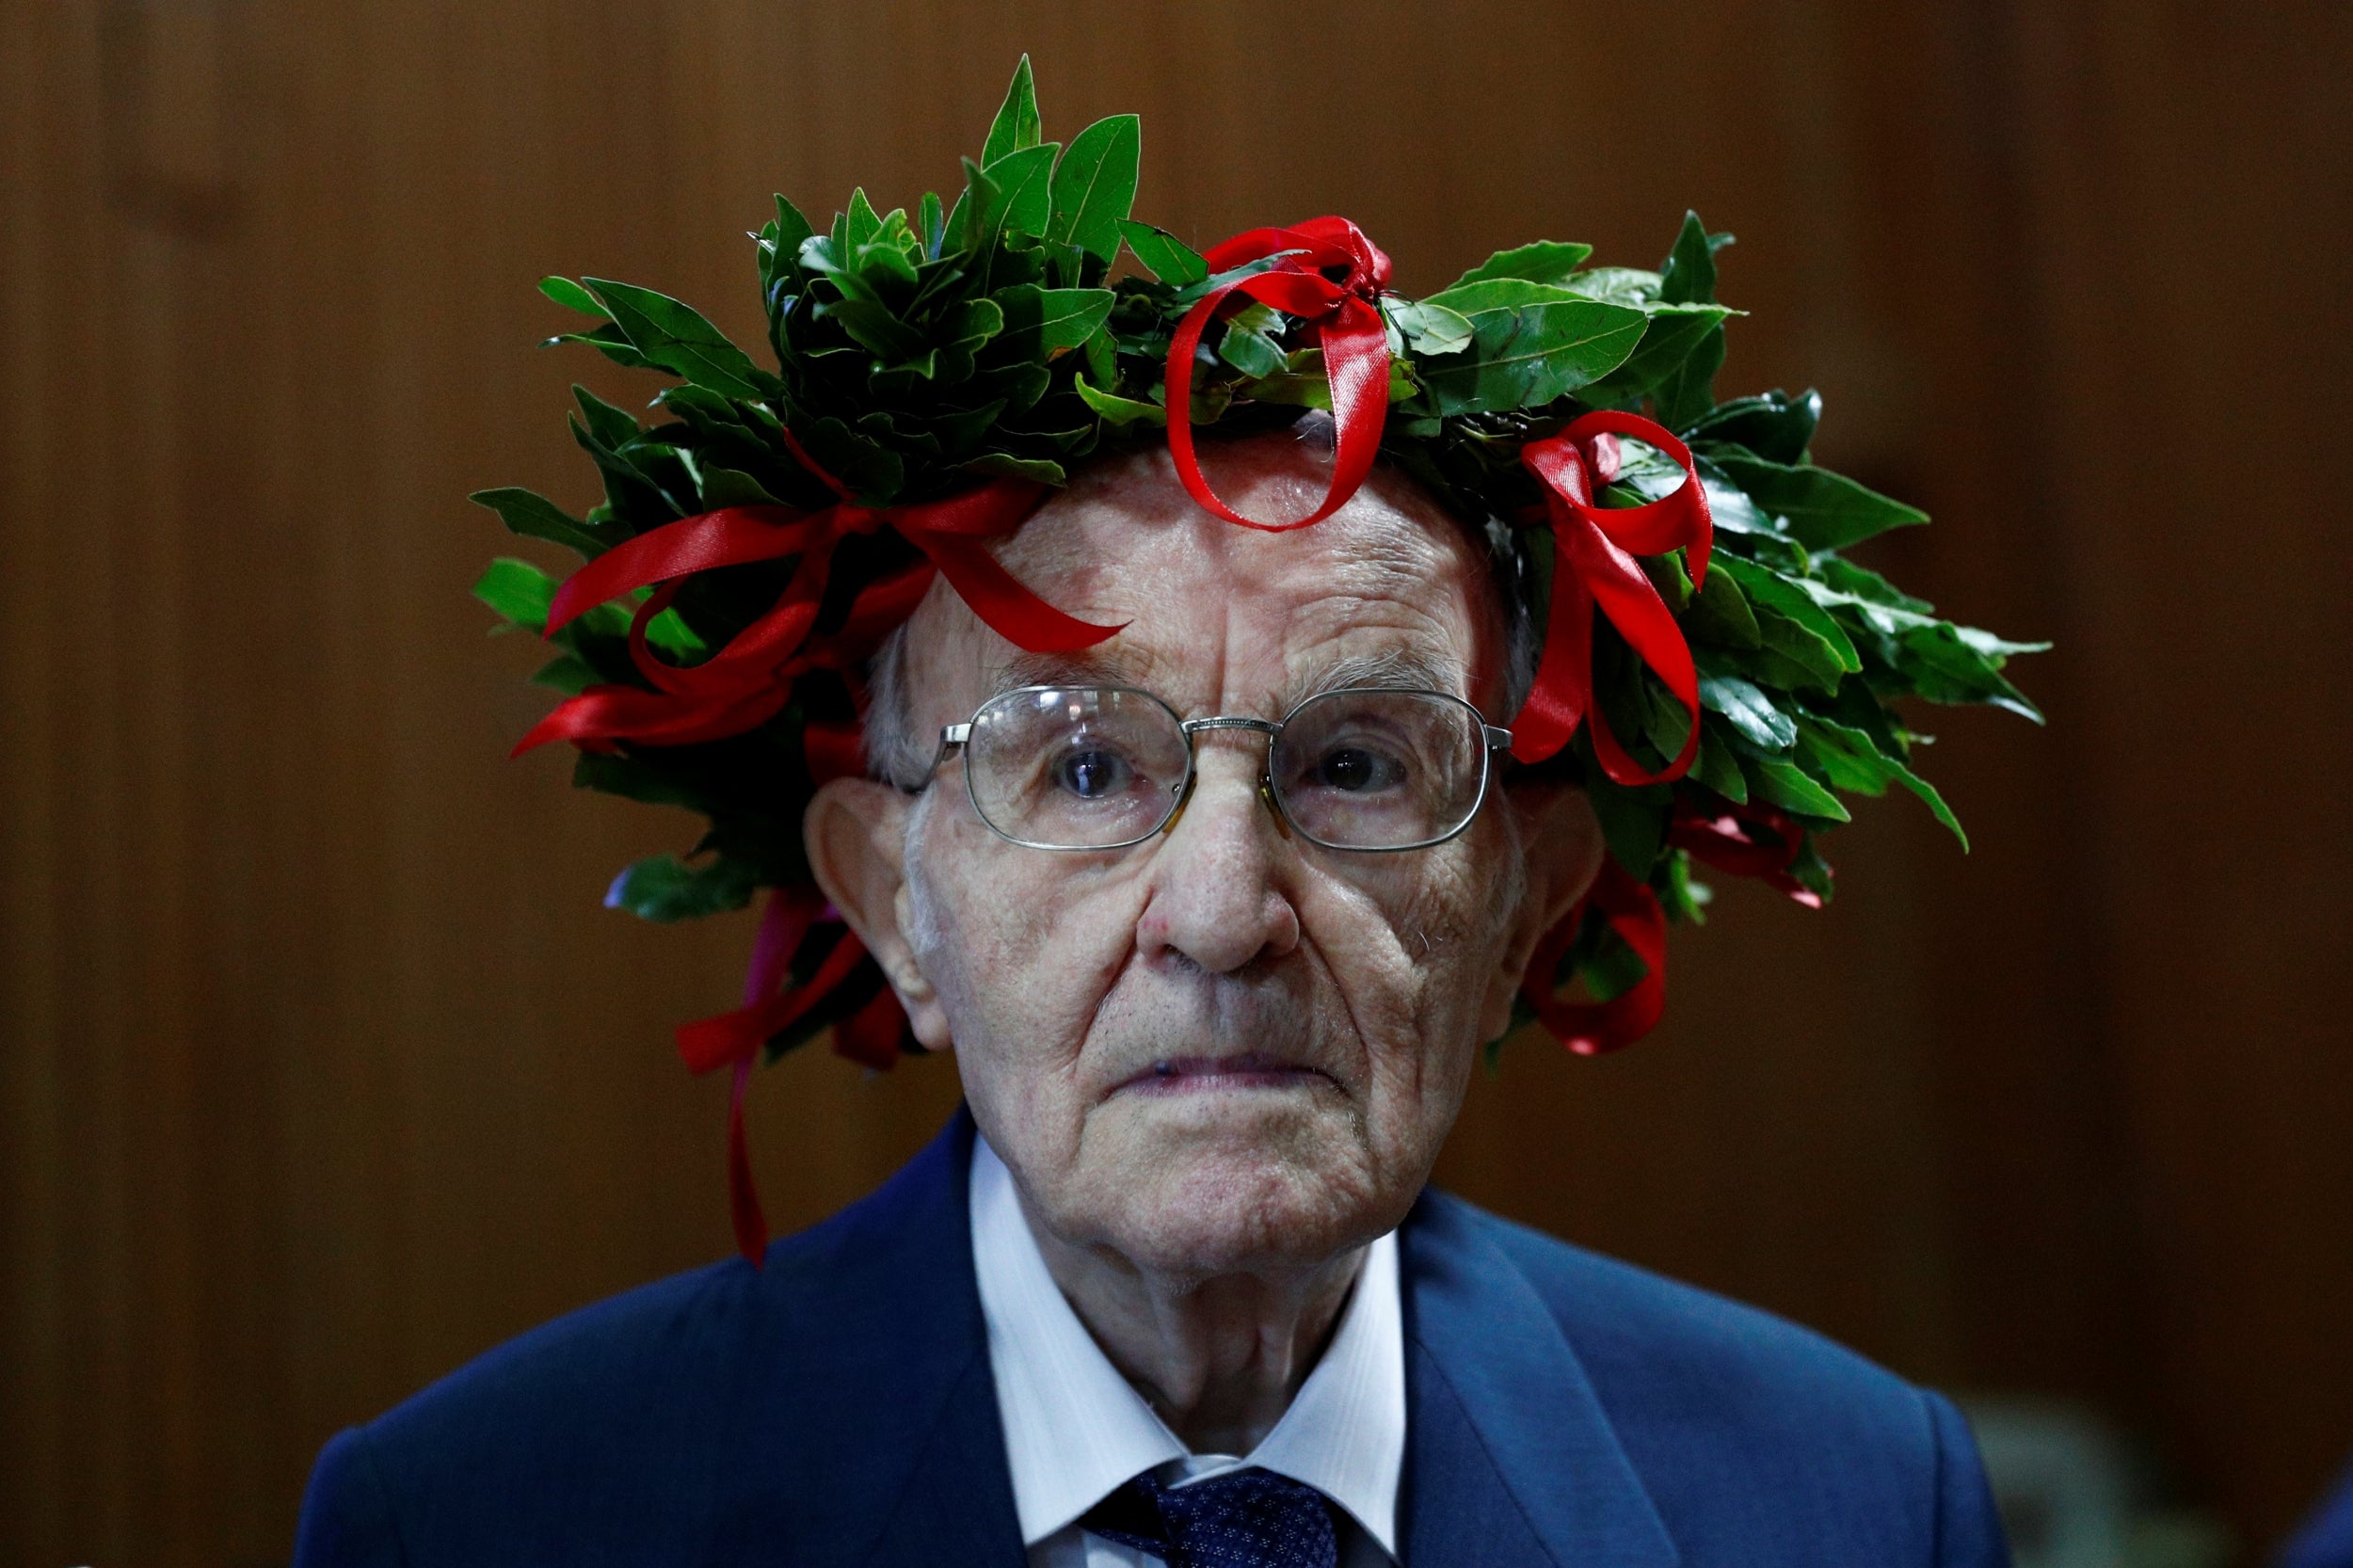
[{"x": 1217, "y": 895}]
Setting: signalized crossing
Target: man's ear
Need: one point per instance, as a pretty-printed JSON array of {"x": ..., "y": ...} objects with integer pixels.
[
  {"x": 855, "y": 831},
  {"x": 1561, "y": 840}
]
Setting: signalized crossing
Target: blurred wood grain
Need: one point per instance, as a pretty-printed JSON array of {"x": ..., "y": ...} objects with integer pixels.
[{"x": 321, "y": 1069}]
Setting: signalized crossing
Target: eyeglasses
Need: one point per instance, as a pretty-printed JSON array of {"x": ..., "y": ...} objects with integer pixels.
[{"x": 1105, "y": 767}]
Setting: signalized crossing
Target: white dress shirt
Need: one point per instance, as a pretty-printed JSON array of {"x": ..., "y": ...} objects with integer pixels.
[{"x": 1076, "y": 1429}]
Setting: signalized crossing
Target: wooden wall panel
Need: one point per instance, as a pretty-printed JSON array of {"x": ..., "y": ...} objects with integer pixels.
[
  {"x": 321, "y": 1069},
  {"x": 2198, "y": 542}
]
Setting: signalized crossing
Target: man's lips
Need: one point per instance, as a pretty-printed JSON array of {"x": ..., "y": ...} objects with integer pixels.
[{"x": 1184, "y": 1075}]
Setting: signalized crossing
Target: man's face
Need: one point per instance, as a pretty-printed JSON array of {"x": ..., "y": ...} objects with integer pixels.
[{"x": 1225, "y": 1048}]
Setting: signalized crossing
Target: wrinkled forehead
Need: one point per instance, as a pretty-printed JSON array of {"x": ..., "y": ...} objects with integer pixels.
[{"x": 1387, "y": 591}]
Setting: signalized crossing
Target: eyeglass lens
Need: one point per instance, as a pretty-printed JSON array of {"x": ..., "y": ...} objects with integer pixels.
[
  {"x": 1101, "y": 767},
  {"x": 1076, "y": 767},
  {"x": 1379, "y": 769}
]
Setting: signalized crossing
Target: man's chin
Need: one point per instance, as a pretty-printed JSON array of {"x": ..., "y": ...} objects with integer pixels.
[{"x": 1241, "y": 1182}]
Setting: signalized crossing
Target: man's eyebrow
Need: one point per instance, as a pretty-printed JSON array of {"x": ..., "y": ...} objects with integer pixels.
[
  {"x": 1407, "y": 668},
  {"x": 1115, "y": 667}
]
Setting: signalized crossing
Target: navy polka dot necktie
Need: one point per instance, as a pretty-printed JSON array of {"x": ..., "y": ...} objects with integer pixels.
[{"x": 1242, "y": 1519}]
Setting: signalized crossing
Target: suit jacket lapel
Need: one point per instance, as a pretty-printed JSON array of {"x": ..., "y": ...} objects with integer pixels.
[
  {"x": 1511, "y": 1459},
  {"x": 875, "y": 1421},
  {"x": 955, "y": 1505}
]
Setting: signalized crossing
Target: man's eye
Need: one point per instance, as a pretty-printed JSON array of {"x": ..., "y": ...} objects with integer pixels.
[
  {"x": 1093, "y": 774},
  {"x": 1356, "y": 770}
]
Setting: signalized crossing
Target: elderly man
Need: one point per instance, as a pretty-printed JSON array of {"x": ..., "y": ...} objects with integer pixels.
[
  {"x": 1184, "y": 1230},
  {"x": 1214, "y": 854}
]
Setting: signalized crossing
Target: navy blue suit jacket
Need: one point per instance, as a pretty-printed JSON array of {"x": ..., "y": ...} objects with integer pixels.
[{"x": 836, "y": 1408}]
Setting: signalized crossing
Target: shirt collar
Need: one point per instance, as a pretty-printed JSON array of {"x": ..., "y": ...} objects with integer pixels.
[{"x": 1076, "y": 1429}]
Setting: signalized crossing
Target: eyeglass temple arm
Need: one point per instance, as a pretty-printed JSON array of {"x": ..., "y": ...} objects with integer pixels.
[{"x": 951, "y": 736}]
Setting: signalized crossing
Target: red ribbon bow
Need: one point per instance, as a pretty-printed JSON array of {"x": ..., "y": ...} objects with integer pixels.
[
  {"x": 747, "y": 682},
  {"x": 1347, "y": 322},
  {"x": 1591, "y": 1028},
  {"x": 1740, "y": 841},
  {"x": 1594, "y": 551}
]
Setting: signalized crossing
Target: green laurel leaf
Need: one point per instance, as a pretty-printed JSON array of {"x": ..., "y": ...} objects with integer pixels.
[
  {"x": 571, "y": 296},
  {"x": 676, "y": 338},
  {"x": 1529, "y": 357},
  {"x": 1094, "y": 185},
  {"x": 1016, "y": 126},
  {"x": 1688, "y": 277},
  {"x": 1672, "y": 334},
  {"x": 1044, "y": 322},
  {"x": 1849, "y": 760},
  {"x": 1542, "y": 261},
  {"x": 1749, "y": 710},
  {"x": 1170, "y": 259},
  {"x": 1022, "y": 201},
  {"x": 517, "y": 592},
  {"x": 534, "y": 516},
  {"x": 1428, "y": 328},
  {"x": 1118, "y": 411},
  {"x": 1787, "y": 786},
  {"x": 1824, "y": 510},
  {"x": 664, "y": 889}
]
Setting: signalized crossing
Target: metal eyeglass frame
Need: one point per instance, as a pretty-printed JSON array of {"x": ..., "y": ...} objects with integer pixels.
[{"x": 955, "y": 737}]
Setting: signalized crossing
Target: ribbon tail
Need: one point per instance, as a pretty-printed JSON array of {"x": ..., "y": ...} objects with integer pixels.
[
  {"x": 603, "y": 714},
  {"x": 1703, "y": 526},
  {"x": 881, "y": 605},
  {"x": 1356, "y": 359},
  {"x": 736, "y": 1038},
  {"x": 951, "y": 534},
  {"x": 750, "y": 658},
  {"x": 1562, "y": 693},
  {"x": 1181, "y": 349},
  {"x": 1619, "y": 764},
  {"x": 1626, "y": 595},
  {"x": 751, "y": 1224},
  {"x": 1791, "y": 888},
  {"x": 590, "y": 719},
  {"x": 1001, "y": 600},
  {"x": 728, "y": 536}
]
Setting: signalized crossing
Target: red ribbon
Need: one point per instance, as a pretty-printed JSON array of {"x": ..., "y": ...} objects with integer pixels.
[
  {"x": 747, "y": 682},
  {"x": 871, "y": 1036},
  {"x": 1589, "y": 1028},
  {"x": 1592, "y": 563},
  {"x": 1742, "y": 841},
  {"x": 1347, "y": 322}
]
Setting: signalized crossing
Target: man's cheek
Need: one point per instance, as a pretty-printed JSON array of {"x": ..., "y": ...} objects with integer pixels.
[
  {"x": 1374, "y": 933},
  {"x": 1038, "y": 950}
]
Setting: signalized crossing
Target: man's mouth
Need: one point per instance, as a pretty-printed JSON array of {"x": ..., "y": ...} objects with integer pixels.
[{"x": 1187, "y": 1075}]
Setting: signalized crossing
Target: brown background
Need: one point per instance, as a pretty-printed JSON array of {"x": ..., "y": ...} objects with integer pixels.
[{"x": 321, "y": 1068}]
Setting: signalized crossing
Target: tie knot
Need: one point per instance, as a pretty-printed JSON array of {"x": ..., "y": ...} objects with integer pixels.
[{"x": 1249, "y": 1518}]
